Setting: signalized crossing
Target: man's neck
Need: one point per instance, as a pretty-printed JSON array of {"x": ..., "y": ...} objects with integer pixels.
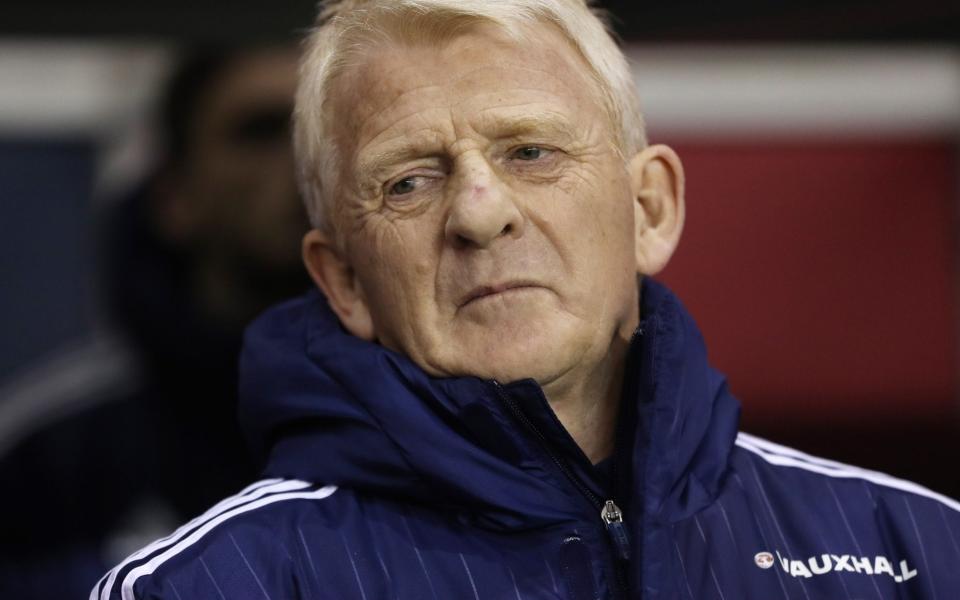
[{"x": 587, "y": 405}]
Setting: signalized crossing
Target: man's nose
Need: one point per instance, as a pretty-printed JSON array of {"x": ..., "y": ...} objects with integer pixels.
[{"x": 482, "y": 208}]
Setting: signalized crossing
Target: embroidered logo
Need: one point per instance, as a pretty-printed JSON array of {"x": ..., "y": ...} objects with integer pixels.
[
  {"x": 764, "y": 560},
  {"x": 833, "y": 563}
]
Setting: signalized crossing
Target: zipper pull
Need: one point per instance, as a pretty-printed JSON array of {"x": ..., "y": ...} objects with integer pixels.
[{"x": 613, "y": 519}]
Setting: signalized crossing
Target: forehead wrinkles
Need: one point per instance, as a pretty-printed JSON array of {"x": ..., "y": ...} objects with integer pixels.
[
  {"x": 481, "y": 89},
  {"x": 386, "y": 67}
]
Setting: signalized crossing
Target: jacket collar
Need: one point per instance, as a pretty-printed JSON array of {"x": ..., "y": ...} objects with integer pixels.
[
  {"x": 322, "y": 405},
  {"x": 686, "y": 419}
]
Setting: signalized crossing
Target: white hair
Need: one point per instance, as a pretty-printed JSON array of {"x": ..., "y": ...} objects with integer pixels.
[{"x": 346, "y": 28}]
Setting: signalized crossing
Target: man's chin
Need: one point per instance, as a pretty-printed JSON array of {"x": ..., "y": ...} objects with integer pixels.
[
  {"x": 508, "y": 363},
  {"x": 539, "y": 349}
]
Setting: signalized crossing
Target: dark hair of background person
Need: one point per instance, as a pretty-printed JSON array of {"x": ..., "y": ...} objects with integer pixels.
[{"x": 178, "y": 109}]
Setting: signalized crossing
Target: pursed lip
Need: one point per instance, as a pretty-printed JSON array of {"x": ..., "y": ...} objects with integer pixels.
[{"x": 484, "y": 291}]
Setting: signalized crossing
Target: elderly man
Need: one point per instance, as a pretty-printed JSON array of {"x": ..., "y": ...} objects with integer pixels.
[{"x": 484, "y": 402}]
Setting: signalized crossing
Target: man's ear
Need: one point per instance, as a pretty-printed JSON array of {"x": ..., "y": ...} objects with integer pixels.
[
  {"x": 656, "y": 178},
  {"x": 337, "y": 280}
]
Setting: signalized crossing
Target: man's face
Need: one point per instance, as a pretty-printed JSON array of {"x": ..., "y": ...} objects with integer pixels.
[{"x": 485, "y": 211}]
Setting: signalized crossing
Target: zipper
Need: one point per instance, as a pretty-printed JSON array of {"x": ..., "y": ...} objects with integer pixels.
[
  {"x": 613, "y": 519},
  {"x": 610, "y": 514}
]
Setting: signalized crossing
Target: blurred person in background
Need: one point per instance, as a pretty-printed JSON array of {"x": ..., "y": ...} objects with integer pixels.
[{"x": 206, "y": 243}]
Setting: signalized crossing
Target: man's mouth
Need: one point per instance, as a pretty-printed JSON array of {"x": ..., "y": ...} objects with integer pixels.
[{"x": 487, "y": 291}]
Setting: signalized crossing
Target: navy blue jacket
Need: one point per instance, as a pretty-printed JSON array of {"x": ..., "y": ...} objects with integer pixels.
[{"x": 386, "y": 484}]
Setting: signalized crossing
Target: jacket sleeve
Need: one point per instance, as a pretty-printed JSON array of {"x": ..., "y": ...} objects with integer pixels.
[
  {"x": 214, "y": 573},
  {"x": 219, "y": 555}
]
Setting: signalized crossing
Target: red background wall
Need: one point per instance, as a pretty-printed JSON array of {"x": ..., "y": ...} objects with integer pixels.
[{"x": 823, "y": 274}]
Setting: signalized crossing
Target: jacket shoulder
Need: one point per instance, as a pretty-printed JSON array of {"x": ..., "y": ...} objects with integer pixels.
[
  {"x": 851, "y": 482},
  {"x": 240, "y": 548}
]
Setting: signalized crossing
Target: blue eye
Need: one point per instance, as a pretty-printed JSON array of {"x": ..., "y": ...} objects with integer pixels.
[
  {"x": 404, "y": 186},
  {"x": 529, "y": 153}
]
